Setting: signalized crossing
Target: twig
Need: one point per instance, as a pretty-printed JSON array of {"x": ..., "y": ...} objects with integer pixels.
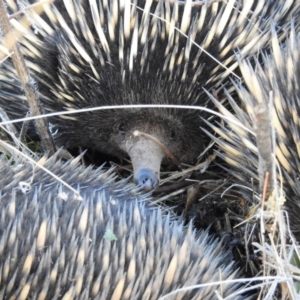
[
  {"x": 264, "y": 146},
  {"x": 26, "y": 81}
]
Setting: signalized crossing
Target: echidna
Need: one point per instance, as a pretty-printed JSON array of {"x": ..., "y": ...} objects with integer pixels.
[
  {"x": 111, "y": 245},
  {"x": 275, "y": 83},
  {"x": 90, "y": 54}
]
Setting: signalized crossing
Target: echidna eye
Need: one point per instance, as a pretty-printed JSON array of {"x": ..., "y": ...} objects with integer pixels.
[
  {"x": 173, "y": 134},
  {"x": 122, "y": 127}
]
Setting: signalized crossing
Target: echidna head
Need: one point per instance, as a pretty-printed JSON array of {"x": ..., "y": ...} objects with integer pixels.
[
  {"x": 144, "y": 137},
  {"x": 99, "y": 53}
]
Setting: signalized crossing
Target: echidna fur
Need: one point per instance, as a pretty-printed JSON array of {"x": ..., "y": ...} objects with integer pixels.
[
  {"x": 111, "y": 245},
  {"x": 277, "y": 77},
  {"x": 92, "y": 54}
]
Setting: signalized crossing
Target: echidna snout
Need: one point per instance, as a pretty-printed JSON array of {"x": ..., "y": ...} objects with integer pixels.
[
  {"x": 146, "y": 178},
  {"x": 146, "y": 158},
  {"x": 144, "y": 137}
]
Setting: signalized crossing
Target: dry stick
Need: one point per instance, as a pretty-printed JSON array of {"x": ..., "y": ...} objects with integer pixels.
[
  {"x": 27, "y": 82},
  {"x": 36, "y": 6},
  {"x": 264, "y": 146},
  {"x": 265, "y": 191},
  {"x": 195, "y": 3},
  {"x": 10, "y": 39},
  {"x": 191, "y": 197},
  {"x": 172, "y": 187},
  {"x": 266, "y": 162}
]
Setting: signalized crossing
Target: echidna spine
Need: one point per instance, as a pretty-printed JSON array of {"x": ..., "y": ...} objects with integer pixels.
[
  {"x": 275, "y": 79},
  {"x": 110, "y": 245}
]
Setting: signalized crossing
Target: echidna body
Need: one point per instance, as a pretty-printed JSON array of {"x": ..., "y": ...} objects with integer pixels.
[
  {"x": 275, "y": 84},
  {"x": 111, "y": 245},
  {"x": 92, "y": 54}
]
